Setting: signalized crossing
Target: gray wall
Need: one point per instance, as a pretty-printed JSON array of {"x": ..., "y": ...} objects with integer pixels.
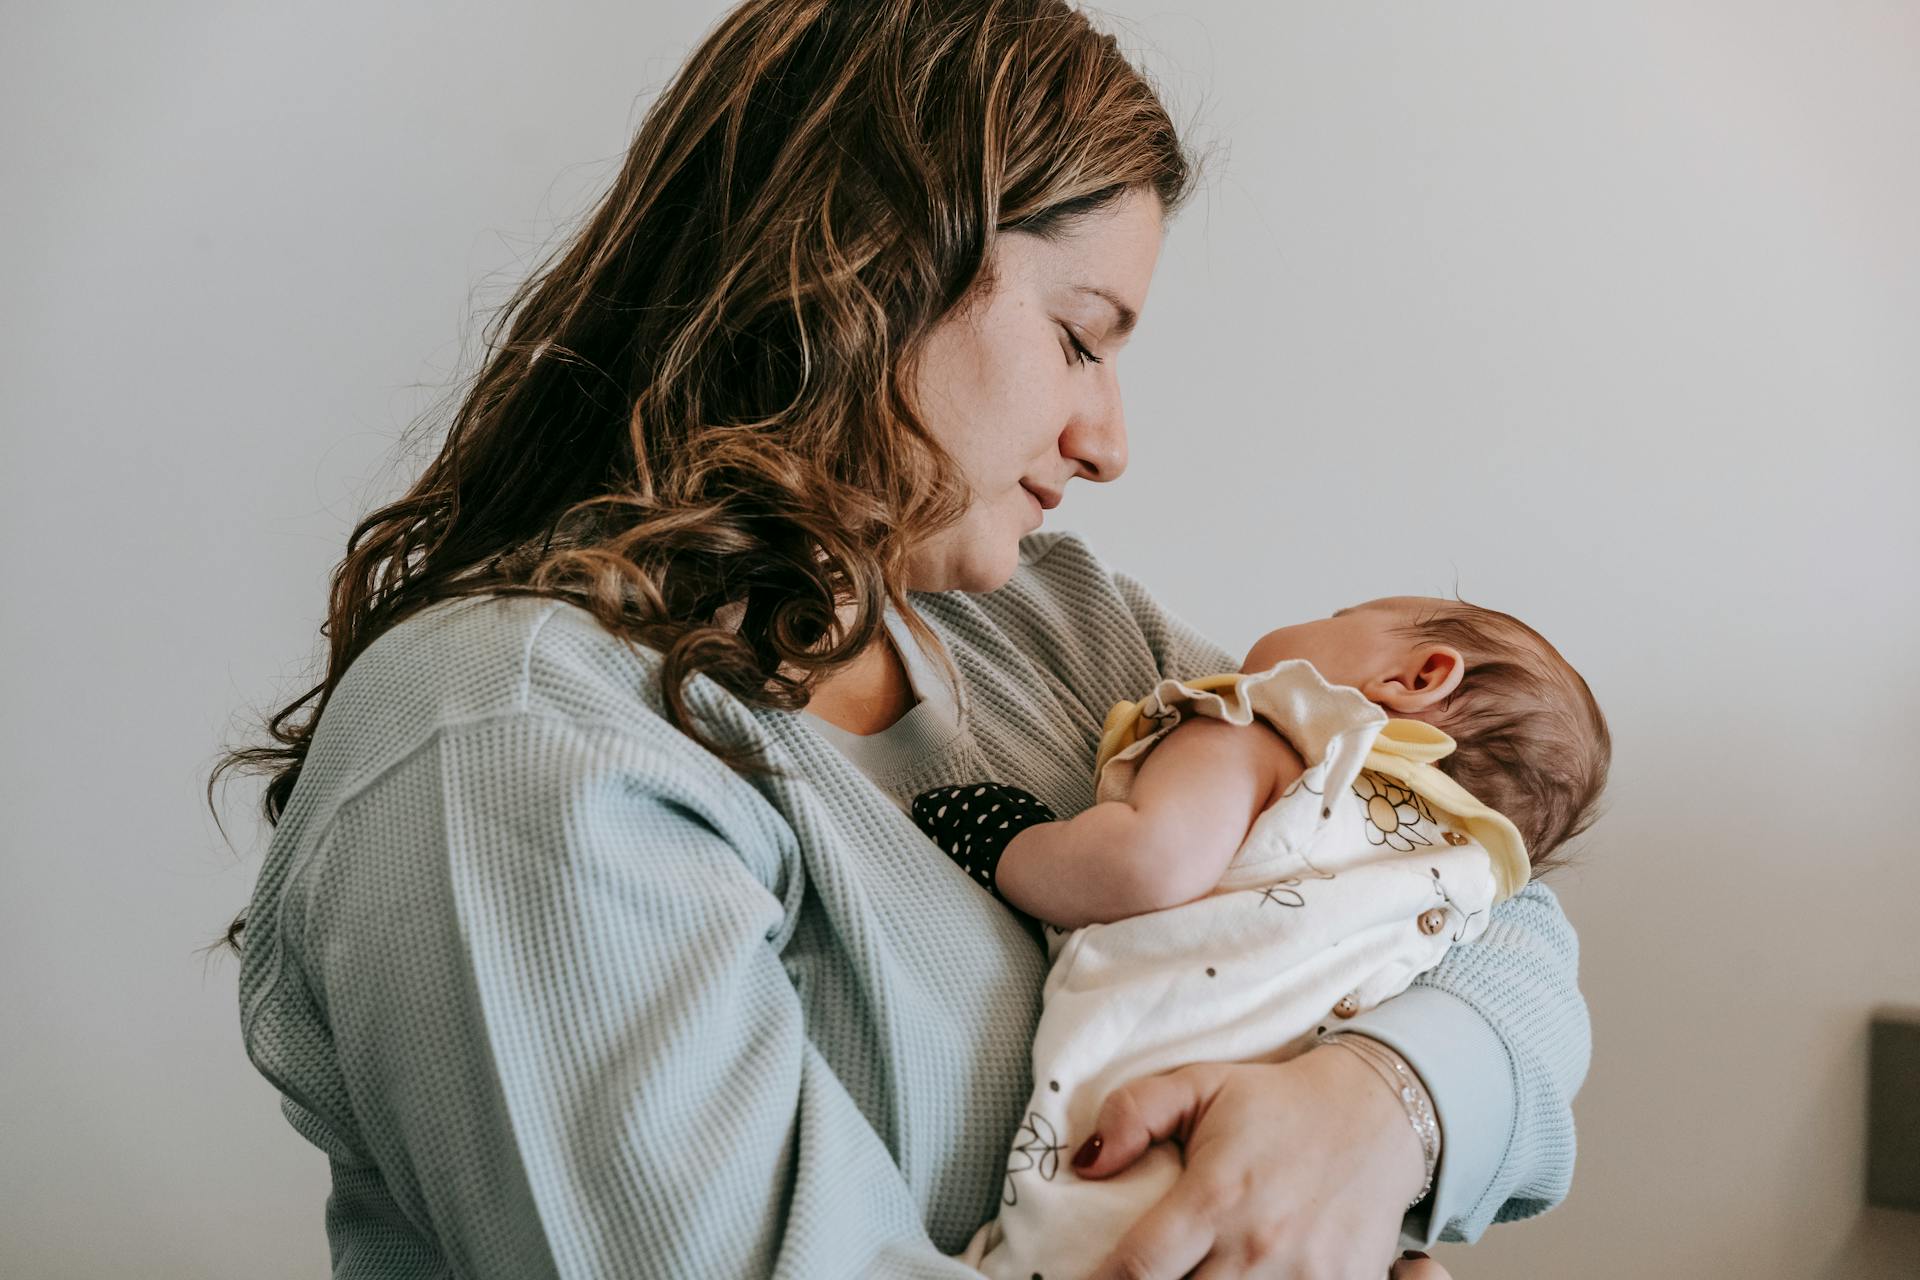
[{"x": 1607, "y": 313}]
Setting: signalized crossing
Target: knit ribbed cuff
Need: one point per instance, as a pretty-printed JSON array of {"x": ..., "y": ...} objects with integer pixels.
[{"x": 1470, "y": 1079}]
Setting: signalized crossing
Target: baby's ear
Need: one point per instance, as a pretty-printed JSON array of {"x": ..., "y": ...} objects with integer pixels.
[{"x": 1427, "y": 677}]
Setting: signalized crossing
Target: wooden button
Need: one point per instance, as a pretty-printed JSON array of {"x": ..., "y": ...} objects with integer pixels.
[
  {"x": 1347, "y": 1007},
  {"x": 1433, "y": 921}
]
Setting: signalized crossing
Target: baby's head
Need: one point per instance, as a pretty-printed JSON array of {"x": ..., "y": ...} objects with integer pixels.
[{"x": 1531, "y": 741}]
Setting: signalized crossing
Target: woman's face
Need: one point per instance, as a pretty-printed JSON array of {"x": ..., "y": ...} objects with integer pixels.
[{"x": 1020, "y": 385}]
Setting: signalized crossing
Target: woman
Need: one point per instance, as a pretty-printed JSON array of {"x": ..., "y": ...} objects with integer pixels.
[{"x": 593, "y": 939}]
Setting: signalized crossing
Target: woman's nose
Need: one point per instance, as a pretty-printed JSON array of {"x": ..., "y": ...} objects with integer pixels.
[{"x": 1096, "y": 438}]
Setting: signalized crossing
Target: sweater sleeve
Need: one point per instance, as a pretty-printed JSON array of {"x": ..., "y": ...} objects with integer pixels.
[
  {"x": 548, "y": 955},
  {"x": 1180, "y": 651},
  {"x": 1498, "y": 1031}
]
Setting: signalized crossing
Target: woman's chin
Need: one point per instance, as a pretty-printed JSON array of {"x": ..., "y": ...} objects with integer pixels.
[
  {"x": 975, "y": 570},
  {"x": 990, "y": 571}
]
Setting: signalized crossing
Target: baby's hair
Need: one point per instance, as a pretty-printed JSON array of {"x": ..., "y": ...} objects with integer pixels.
[{"x": 1532, "y": 742}]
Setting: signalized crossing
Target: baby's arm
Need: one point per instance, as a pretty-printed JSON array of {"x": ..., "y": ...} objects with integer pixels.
[{"x": 1197, "y": 793}]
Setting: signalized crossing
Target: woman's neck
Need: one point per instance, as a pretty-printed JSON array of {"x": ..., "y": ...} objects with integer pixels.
[{"x": 867, "y": 694}]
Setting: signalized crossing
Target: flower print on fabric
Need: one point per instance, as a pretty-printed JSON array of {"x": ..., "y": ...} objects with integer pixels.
[
  {"x": 1300, "y": 784},
  {"x": 1284, "y": 893},
  {"x": 1393, "y": 812},
  {"x": 1037, "y": 1147},
  {"x": 1453, "y": 908}
]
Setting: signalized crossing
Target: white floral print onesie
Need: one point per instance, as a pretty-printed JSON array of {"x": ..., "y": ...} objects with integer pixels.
[{"x": 1356, "y": 879}]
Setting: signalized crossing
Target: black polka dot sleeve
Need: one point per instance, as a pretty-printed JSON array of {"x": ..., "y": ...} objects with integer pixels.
[{"x": 973, "y": 824}]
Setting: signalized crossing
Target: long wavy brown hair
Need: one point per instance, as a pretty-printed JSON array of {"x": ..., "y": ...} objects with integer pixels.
[{"x": 694, "y": 418}]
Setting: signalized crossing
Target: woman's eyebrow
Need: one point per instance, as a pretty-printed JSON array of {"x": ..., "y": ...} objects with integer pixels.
[{"x": 1124, "y": 316}]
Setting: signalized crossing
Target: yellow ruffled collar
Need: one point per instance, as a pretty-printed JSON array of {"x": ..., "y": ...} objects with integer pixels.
[{"x": 1404, "y": 750}]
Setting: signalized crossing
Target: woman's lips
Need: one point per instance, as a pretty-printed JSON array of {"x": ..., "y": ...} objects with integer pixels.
[{"x": 1047, "y": 500}]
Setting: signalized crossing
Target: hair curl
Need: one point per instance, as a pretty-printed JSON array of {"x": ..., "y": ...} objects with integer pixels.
[{"x": 700, "y": 401}]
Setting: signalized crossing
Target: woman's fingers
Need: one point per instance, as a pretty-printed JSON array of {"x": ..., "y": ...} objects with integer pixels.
[
  {"x": 1174, "y": 1236},
  {"x": 1289, "y": 1169},
  {"x": 1168, "y": 1241},
  {"x": 1143, "y": 1112},
  {"x": 1418, "y": 1267}
]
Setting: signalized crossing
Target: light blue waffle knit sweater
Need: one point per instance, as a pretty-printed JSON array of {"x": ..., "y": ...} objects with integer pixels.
[{"x": 559, "y": 994}]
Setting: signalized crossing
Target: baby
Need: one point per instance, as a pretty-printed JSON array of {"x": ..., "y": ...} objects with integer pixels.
[{"x": 1268, "y": 852}]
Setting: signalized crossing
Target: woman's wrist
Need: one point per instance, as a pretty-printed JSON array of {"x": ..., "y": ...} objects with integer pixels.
[{"x": 1404, "y": 1084}]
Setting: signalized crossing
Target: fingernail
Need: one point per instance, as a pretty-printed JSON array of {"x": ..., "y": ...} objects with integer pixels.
[
  {"x": 1089, "y": 1152},
  {"x": 1412, "y": 1255}
]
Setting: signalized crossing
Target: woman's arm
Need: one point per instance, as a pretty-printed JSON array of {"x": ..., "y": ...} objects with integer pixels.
[
  {"x": 565, "y": 1033},
  {"x": 1197, "y": 792}
]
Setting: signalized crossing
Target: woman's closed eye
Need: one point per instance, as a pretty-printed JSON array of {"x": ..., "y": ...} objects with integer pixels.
[{"x": 1079, "y": 350}]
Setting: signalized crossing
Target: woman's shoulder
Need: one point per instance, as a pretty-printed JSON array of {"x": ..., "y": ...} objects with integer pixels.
[
  {"x": 1054, "y": 554},
  {"x": 482, "y": 656},
  {"x": 1070, "y": 611},
  {"x": 1057, "y": 578},
  {"x": 1059, "y": 574},
  {"x": 462, "y": 664},
  {"x": 475, "y": 756}
]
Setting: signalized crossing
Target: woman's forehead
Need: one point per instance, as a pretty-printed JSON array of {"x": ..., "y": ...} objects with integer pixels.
[{"x": 1107, "y": 255}]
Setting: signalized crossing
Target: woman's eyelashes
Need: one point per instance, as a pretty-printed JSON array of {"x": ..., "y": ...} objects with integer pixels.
[{"x": 1079, "y": 349}]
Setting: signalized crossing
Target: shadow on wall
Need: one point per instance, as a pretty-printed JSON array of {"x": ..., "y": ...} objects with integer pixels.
[{"x": 1883, "y": 1242}]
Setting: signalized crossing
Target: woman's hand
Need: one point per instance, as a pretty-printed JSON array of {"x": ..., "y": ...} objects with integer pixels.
[{"x": 1298, "y": 1169}]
